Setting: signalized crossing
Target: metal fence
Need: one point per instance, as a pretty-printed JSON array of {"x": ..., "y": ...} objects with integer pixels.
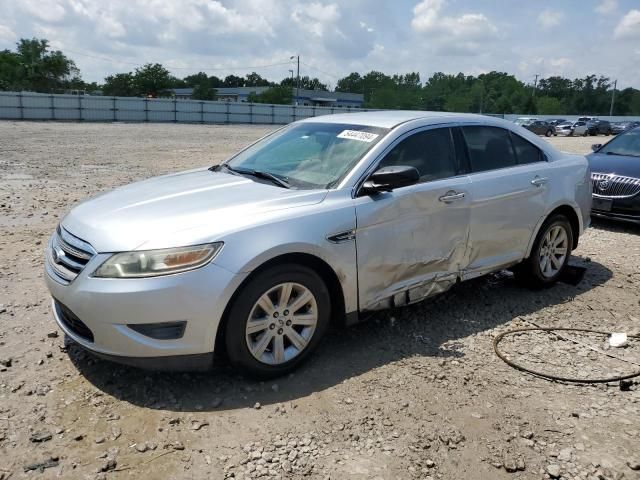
[{"x": 38, "y": 106}]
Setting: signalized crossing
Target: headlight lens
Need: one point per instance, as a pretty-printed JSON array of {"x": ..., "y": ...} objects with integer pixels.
[{"x": 152, "y": 263}]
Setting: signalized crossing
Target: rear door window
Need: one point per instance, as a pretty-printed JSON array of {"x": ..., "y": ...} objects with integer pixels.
[
  {"x": 526, "y": 152},
  {"x": 489, "y": 148}
]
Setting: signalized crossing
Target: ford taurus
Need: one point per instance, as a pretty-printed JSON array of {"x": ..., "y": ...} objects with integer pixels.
[{"x": 326, "y": 218}]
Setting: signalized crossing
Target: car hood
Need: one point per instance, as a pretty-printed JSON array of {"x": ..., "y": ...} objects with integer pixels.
[
  {"x": 617, "y": 164},
  {"x": 187, "y": 208}
]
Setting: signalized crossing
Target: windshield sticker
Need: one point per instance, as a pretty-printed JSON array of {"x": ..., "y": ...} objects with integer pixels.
[{"x": 358, "y": 135}]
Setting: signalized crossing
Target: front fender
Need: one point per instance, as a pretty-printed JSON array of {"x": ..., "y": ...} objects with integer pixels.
[{"x": 306, "y": 232}]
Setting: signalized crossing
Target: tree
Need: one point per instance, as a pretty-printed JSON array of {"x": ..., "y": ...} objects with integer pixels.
[
  {"x": 120, "y": 85},
  {"x": 152, "y": 80},
  {"x": 351, "y": 83},
  {"x": 233, "y": 81},
  {"x": 10, "y": 71},
  {"x": 255, "y": 80},
  {"x": 549, "y": 106},
  {"x": 530, "y": 106},
  {"x": 277, "y": 94},
  {"x": 204, "y": 92},
  {"x": 35, "y": 67}
]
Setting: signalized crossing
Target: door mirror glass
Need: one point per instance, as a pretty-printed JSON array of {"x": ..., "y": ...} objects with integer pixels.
[
  {"x": 390, "y": 178},
  {"x": 596, "y": 146}
]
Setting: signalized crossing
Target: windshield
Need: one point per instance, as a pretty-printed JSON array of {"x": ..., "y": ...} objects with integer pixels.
[
  {"x": 309, "y": 155},
  {"x": 627, "y": 143}
]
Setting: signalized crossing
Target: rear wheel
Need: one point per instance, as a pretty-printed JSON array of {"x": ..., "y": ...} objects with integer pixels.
[
  {"x": 549, "y": 255},
  {"x": 548, "y": 133},
  {"x": 277, "y": 320}
]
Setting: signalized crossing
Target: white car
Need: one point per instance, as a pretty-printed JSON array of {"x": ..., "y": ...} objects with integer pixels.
[{"x": 569, "y": 129}]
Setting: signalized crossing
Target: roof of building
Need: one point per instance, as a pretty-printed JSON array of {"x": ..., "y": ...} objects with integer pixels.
[{"x": 319, "y": 95}]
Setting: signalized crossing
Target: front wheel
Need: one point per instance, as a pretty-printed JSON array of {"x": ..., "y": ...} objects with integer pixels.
[
  {"x": 549, "y": 255},
  {"x": 277, "y": 320}
]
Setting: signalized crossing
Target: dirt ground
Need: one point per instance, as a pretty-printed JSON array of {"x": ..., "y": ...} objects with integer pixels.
[{"x": 415, "y": 393}]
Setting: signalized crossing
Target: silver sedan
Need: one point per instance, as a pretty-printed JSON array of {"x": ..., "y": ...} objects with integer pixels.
[{"x": 326, "y": 218}]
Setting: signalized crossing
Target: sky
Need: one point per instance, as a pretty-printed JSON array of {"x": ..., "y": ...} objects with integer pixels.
[{"x": 335, "y": 37}]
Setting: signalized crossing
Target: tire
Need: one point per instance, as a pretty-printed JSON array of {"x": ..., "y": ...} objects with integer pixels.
[
  {"x": 278, "y": 329},
  {"x": 548, "y": 133},
  {"x": 534, "y": 271},
  {"x": 586, "y": 132}
]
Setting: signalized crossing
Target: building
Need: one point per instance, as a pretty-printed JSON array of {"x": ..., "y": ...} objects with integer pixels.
[{"x": 317, "y": 98}]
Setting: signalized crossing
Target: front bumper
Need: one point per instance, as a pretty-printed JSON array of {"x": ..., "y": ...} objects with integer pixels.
[
  {"x": 623, "y": 209},
  {"x": 104, "y": 308}
]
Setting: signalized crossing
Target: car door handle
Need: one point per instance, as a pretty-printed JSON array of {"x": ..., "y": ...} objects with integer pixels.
[
  {"x": 539, "y": 181},
  {"x": 451, "y": 196}
]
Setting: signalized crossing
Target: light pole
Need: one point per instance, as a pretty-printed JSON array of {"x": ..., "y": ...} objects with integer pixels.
[
  {"x": 292, "y": 100},
  {"x": 298, "y": 79},
  {"x": 613, "y": 97}
]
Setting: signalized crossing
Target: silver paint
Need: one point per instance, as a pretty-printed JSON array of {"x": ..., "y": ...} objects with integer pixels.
[{"x": 408, "y": 243}]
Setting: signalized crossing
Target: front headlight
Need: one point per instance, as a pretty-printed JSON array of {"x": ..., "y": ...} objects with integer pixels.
[{"x": 152, "y": 263}]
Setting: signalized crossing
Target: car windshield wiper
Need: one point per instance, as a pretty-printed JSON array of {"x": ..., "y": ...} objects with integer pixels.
[
  {"x": 268, "y": 176},
  {"x": 279, "y": 181}
]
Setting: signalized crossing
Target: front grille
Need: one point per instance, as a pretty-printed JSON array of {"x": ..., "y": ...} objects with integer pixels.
[
  {"x": 614, "y": 186},
  {"x": 72, "y": 322},
  {"x": 67, "y": 255}
]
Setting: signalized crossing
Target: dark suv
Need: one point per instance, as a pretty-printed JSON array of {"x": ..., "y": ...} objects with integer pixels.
[
  {"x": 540, "y": 127},
  {"x": 599, "y": 127}
]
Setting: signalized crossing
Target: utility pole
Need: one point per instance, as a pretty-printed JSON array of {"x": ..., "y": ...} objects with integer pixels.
[
  {"x": 535, "y": 85},
  {"x": 613, "y": 97},
  {"x": 298, "y": 80},
  {"x": 292, "y": 99}
]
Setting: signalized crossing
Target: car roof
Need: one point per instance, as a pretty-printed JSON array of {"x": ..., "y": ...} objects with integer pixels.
[{"x": 393, "y": 118}]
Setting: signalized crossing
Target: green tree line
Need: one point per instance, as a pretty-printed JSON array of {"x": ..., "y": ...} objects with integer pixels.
[{"x": 34, "y": 66}]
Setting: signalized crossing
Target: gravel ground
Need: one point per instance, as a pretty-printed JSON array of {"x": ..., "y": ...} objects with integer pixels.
[{"x": 415, "y": 393}]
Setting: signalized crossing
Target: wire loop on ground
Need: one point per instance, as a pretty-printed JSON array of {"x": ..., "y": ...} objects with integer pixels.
[{"x": 511, "y": 363}]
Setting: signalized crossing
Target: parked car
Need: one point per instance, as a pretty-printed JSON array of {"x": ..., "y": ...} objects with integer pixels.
[
  {"x": 619, "y": 127},
  {"x": 569, "y": 129},
  {"x": 523, "y": 120},
  {"x": 329, "y": 217},
  {"x": 540, "y": 127},
  {"x": 615, "y": 176},
  {"x": 599, "y": 127},
  {"x": 586, "y": 119},
  {"x": 556, "y": 121}
]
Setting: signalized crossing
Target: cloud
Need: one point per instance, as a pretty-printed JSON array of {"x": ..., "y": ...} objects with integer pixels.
[
  {"x": 607, "y": 7},
  {"x": 456, "y": 35},
  {"x": 629, "y": 26},
  {"x": 46, "y": 10},
  {"x": 6, "y": 34},
  {"x": 332, "y": 37},
  {"x": 550, "y": 18},
  {"x": 316, "y": 17}
]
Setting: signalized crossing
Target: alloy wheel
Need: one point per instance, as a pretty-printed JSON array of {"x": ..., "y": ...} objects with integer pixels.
[
  {"x": 281, "y": 323},
  {"x": 553, "y": 251}
]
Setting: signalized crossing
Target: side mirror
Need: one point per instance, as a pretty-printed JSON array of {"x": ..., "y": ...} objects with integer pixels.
[
  {"x": 390, "y": 178},
  {"x": 596, "y": 146}
]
